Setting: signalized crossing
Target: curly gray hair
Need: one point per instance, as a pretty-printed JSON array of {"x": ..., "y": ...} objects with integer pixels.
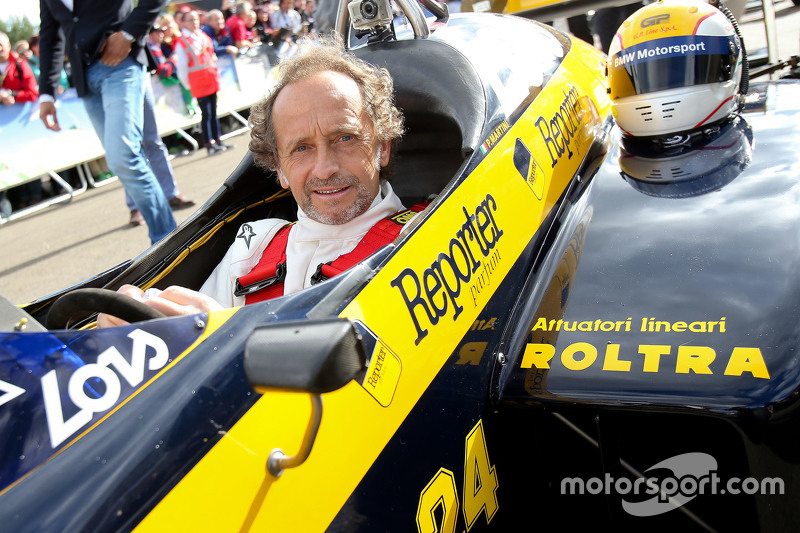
[{"x": 327, "y": 53}]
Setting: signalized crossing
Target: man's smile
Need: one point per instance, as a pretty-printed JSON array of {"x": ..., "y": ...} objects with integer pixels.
[{"x": 328, "y": 192}]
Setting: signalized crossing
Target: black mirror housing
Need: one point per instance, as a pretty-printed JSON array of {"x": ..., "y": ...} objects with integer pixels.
[{"x": 314, "y": 356}]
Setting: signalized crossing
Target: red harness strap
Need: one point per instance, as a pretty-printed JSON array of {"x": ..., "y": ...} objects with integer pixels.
[
  {"x": 266, "y": 279},
  {"x": 384, "y": 232}
]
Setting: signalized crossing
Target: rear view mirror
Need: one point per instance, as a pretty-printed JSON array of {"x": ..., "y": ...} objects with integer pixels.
[{"x": 314, "y": 356}]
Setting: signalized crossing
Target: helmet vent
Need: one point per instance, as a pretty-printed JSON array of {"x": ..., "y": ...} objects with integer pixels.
[
  {"x": 678, "y": 172},
  {"x": 667, "y": 109},
  {"x": 646, "y": 112}
]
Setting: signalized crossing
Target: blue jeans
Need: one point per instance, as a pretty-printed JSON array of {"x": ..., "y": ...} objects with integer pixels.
[
  {"x": 114, "y": 101},
  {"x": 209, "y": 122},
  {"x": 154, "y": 149}
]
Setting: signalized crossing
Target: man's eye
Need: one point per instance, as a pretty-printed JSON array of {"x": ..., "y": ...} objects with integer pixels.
[
  {"x": 300, "y": 149},
  {"x": 345, "y": 138}
]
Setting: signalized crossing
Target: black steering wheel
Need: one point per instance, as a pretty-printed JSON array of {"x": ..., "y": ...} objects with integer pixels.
[{"x": 89, "y": 301}]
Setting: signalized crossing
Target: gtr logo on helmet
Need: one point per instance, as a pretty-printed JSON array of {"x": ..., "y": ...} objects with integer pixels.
[{"x": 655, "y": 20}]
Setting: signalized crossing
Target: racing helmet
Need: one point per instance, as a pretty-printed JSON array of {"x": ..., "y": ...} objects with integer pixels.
[
  {"x": 706, "y": 164},
  {"x": 675, "y": 66}
]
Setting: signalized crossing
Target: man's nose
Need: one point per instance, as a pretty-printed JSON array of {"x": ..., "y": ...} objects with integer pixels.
[{"x": 326, "y": 164}]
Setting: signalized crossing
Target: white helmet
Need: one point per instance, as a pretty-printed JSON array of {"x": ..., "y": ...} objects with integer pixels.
[
  {"x": 702, "y": 164},
  {"x": 675, "y": 66}
]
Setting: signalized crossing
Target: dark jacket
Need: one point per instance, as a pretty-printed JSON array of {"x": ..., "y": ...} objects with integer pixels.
[
  {"x": 80, "y": 33},
  {"x": 220, "y": 41}
]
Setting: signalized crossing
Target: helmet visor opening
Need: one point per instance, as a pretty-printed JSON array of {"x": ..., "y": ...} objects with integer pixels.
[{"x": 671, "y": 63}]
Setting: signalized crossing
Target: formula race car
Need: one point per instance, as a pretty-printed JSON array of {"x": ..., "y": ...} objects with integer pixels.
[{"x": 585, "y": 326}]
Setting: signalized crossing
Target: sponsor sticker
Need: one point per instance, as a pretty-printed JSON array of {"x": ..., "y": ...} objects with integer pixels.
[
  {"x": 385, "y": 367},
  {"x": 682, "y": 46}
]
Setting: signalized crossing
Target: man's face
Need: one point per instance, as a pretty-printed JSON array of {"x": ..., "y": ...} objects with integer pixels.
[
  {"x": 216, "y": 21},
  {"x": 5, "y": 48},
  {"x": 286, "y": 5},
  {"x": 157, "y": 36},
  {"x": 191, "y": 21},
  {"x": 327, "y": 149}
]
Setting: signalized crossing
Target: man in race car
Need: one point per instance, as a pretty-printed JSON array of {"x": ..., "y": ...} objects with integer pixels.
[{"x": 326, "y": 130}]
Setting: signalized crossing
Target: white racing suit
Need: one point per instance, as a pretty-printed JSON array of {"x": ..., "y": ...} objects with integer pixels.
[{"x": 310, "y": 244}]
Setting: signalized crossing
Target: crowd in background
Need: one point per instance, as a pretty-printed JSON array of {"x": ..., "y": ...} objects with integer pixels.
[
  {"x": 235, "y": 28},
  {"x": 271, "y": 27}
]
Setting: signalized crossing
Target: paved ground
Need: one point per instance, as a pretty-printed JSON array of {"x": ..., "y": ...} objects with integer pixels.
[
  {"x": 70, "y": 242},
  {"x": 65, "y": 244}
]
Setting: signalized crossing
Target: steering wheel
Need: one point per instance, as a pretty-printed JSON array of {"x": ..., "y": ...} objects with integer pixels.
[{"x": 97, "y": 301}]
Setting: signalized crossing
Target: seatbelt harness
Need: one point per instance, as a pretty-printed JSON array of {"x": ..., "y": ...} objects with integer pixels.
[{"x": 266, "y": 279}]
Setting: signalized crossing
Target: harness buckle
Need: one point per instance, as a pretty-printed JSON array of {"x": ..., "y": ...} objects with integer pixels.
[
  {"x": 279, "y": 277},
  {"x": 318, "y": 276}
]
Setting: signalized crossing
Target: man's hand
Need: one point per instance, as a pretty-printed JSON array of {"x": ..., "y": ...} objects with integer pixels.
[
  {"x": 173, "y": 301},
  {"x": 115, "y": 49},
  {"x": 6, "y": 98},
  {"x": 47, "y": 112},
  {"x": 232, "y": 50}
]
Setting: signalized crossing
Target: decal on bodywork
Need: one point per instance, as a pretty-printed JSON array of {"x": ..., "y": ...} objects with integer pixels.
[
  {"x": 681, "y": 359},
  {"x": 495, "y": 137},
  {"x": 467, "y": 261},
  {"x": 383, "y": 371},
  {"x": 528, "y": 168},
  {"x": 647, "y": 358},
  {"x": 479, "y": 490},
  {"x": 560, "y": 131},
  {"x": 57, "y": 384}
]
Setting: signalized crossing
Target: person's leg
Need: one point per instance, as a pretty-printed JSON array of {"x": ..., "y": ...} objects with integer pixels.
[
  {"x": 115, "y": 101},
  {"x": 216, "y": 131},
  {"x": 157, "y": 156},
  {"x": 205, "y": 120},
  {"x": 214, "y": 121},
  {"x": 154, "y": 147}
]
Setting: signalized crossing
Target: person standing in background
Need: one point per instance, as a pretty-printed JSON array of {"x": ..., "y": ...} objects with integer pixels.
[
  {"x": 197, "y": 69},
  {"x": 105, "y": 42},
  {"x": 157, "y": 156},
  {"x": 17, "y": 85},
  {"x": 17, "y": 82},
  {"x": 219, "y": 34},
  {"x": 171, "y": 32},
  {"x": 286, "y": 17},
  {"x": 237, "y": 25}
]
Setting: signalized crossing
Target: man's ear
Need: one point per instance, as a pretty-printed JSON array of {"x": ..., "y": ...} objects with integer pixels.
[
  {"x": 386, "y": 151},
  {"x": 282, "y": 178}
]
